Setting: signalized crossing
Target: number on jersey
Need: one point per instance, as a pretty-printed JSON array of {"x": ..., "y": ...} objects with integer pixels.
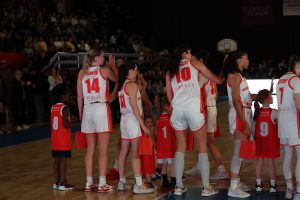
[
  {"x": 55, "y": 123},
  {"x": 122, "y": 101},
  {"x": 164, "y": 129},
  {"x": 94, "y": 86},
  {"x": 281, "y": 90},
  {"x": 183, "y": 75},
  {"x": 264, "y": 129}
]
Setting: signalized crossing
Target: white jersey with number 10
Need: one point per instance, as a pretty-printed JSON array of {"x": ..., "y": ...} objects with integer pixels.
[{"x": 186, "y": 88}]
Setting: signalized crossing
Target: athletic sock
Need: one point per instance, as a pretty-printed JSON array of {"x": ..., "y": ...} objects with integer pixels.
[
  {"x": 204, "y": 168},
  {"x": 102, "y": 180},
  {"x": 273, "y": 182},
  {"x": 258, "y": 182},
  {"x": 138, "y": 180},
  {"x": 122, "y": 179},
  {"x": 179, "y": 167},
  {"x": 164, "y": 178},
  {"x": 89, "y": 180}
]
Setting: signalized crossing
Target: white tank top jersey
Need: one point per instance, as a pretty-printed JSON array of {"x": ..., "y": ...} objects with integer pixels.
[
  {"x": 210, "y": 89},
  {"x": 95, "y": 87},
  {"x": 245, "y": 96},
  {"x": 186, "y": 88},
  {"x": 288, "y": 116},
  {"x": 125, "y": 106}
]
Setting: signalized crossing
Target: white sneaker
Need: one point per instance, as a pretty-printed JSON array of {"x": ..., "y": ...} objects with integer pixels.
[
  {"x": 193, "y": 171},
  {"x": 237, "y": 192},
  {"x": 273, "y": 188},
  {"x": 124, "y": 186},
  {"x": 208, "y": 191},
  {"x": 244, "y": 187},
  {"x": 55, "y": 187},
  {"x": 25, "y": 127},
  {"x": 219, "y": 175},
  {"x": 142, "y": 189},
  {"x": 19, "y": 128},
  {"x": 296, "y": 196},
  {"x": 179, "y": 190},
  {"x": 258, "y": 188},
  {"x": 289, "y": 193}
]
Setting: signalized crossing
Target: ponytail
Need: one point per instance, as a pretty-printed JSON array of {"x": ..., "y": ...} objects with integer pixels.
[
  {"x": 257, "y": 110},
  {"x": 89, "y": 58}
]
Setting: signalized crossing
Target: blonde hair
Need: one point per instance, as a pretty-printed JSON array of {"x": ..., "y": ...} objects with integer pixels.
[{"x": 89, "y": 58}]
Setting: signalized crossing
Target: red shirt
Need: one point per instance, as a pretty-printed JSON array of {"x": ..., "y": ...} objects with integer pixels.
[
  {"x": 60, "y": 135},
  {"x": 165, "y": 146}
]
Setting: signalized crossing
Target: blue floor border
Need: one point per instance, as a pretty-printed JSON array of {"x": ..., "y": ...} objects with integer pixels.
[
  {"x": 194, "y": 193},
  {"x": 32, "y": 134}
]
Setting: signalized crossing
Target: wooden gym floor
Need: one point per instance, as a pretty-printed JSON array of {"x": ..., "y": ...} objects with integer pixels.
[{"x": 26, "y": 170}]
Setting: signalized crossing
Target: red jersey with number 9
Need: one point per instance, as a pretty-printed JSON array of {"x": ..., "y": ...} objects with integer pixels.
[
  {"x": 165, "y": 144},
  {"x": 60, "y": 136},
  {"x": 267, "y": 141},
  {"x": 95, "y": 86},
  {"x": 186, "y": 89}
]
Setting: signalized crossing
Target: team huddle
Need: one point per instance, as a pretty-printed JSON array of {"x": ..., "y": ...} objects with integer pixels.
[{"x": 186, "y": 120}]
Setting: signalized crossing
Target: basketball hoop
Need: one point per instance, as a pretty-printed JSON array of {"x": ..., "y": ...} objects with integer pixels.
[{"x": 227, "y": 45}]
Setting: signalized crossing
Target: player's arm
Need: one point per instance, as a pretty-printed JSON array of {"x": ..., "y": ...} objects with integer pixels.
[
  {"x": 80, "y": 94},
  {"x": 235, "y": 81},
  {"x": 112, "y": 64},
  {"x": 297, "y": 93},
  {"x": 66, "y": 117},
  {"x": 205, "y": 71},
  {"x": 169, "y": 87},
  {"x": 114, "y": 94},
  {"x": 108, "y": 73},
  {"x": 132, "y": 90},
  {"x": 274, "y": 116}
]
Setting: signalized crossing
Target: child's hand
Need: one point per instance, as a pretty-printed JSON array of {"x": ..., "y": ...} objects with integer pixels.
[{"x": 146, "y": 131}]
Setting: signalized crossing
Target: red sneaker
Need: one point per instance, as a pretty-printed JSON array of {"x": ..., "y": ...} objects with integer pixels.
[
  {"x": 104, "y": 188},
  {"x": 112, "y": 174},
  {"x": 89, "y": 188}
]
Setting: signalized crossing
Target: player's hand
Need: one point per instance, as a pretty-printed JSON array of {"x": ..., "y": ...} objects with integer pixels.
[
  {"x": 146, "y": 131},
  {"x": 246, "y": 128},
  {"x": 111, "y": 60}
]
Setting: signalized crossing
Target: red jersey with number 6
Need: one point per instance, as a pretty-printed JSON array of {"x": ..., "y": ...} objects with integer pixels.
[
  {"x": 95, "y": 86},
  {"x": 165, "y": 144},
  {"x": 60, "y": 136},
  {"x": 267, "y": 141}
]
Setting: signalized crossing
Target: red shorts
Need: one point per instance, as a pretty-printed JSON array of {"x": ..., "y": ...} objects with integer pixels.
[
  {"x": 148, "y": 164},
  {"x": 267, "y": 148}
]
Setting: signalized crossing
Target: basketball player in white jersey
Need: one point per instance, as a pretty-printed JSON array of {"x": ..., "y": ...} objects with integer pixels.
[
  {"x": 183, "y": 91},
  {"x": 132, "y": 125},
  {"x": 288, "y": 100},
  {"x": 210, "y": 95},
  {"x": 240, "y": 114},
  {"x": 94, "y": 113}
]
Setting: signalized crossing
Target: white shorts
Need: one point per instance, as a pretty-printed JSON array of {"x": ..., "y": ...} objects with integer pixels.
[
  {"x": 96, "y": 118},
  {"x": 168, "y": 161},
  {"x": 130, "y": 127},
  {"x": 234, "y": 121},
  {"x": 211, "y": 122},
  {"x": 290, "y": 142},
  {"x": 182, "y": 120}
]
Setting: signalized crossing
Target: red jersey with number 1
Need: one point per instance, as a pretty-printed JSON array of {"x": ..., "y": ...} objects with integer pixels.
[
  {"x": 165, "y": 144},
  {"x": 266, "y": 137},
  {"x": 60, "y": 136}
]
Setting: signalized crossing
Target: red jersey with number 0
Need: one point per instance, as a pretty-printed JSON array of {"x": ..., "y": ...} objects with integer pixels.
[
  {"x": 165, "y": 144},
  {"x": 95, "y": 87},
  {"x": 267, "y": 141},
  {"x": 60, "y": 136}
]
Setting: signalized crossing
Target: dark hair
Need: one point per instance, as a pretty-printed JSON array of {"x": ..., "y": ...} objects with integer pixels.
[
  {"x": 59, "y": 91},
  {"x": 175, "y": 59},
  {"x": 261, "y": 96},
  {"x": 164, "y": 102},
  {"x": 201, "y": 54},
  {"x": 123, "y": 72},
  {"x": 230, "y": 65},
  {"x": 292, "y": 62},
  {"x": 148, "y": 117}
]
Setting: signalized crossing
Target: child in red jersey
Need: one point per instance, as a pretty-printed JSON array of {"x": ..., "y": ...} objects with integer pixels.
[
  {"x": 267, "y": 141},
  {"x": 61, "y": 139},
  {"x": 165, "y": 145},
  {"x": 148, "y": 166}
]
